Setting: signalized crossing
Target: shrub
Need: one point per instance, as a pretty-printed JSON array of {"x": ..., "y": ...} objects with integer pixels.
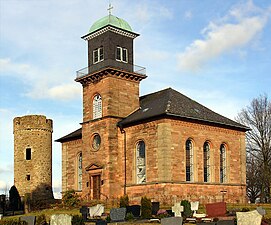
[
  {"x": 146, "y": 207},
  {"x": 187, "y": 208},
  {"x": 14, "y": 199},
  {"x": 77, "y": 220},
  {"x": 70, "y": 199},
  {"x": 41, "y": 220},
  {"x": 129, "y": 216},
  {"x": 124, "y": 201}
]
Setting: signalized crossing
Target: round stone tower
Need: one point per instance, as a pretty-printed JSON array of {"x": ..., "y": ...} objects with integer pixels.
[{"x": 33, "y": 156}]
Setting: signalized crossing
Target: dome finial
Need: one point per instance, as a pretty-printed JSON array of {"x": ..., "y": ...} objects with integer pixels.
[{"x": 110, "y": 9}]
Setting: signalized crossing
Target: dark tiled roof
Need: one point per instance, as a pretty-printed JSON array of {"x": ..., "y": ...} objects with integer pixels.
[
  {"x": 169, "y": 102},
  {"x": 72, "y": 136}
]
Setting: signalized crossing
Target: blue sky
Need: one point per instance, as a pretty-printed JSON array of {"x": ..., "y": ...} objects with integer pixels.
[{"x": 215, "y": 52}]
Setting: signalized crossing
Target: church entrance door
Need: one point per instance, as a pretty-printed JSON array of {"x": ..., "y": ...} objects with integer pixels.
[{"x": 96, "y": 179}]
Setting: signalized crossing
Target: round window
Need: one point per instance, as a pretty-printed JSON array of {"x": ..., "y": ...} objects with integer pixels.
[{"x": 96, "y": 142}]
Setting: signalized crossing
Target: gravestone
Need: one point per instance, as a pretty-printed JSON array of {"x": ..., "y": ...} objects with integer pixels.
[
  {"x": 117, "y": 214},
  {"x": 216, "y": 209},
  {"x": 177, "y": 209},
  {"x": 172, "y": 221},
  {"x": 155, "y": 207},
  {"x": 96, "y": 210},
  {"x": 194, "y": 206},
  {"x": 31, "y": 220},
  {"x": 225, "y": 222},
  {"x": 249, "y": 218},
  {"x": 134, "y": 209},
  {"x": 84, "y": 211},
  {"x": 261, "y": 211},
  {"x": 61, "y": 219}
]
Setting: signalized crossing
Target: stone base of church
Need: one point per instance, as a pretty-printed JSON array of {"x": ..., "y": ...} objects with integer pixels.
[{"x": 169, "y": 193}]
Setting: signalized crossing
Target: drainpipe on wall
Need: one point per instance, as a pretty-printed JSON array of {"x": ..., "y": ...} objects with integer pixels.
[{"x": 125, "y": 172}]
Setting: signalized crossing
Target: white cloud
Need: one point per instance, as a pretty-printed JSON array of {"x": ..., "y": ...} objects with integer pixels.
[
  {"x": 237, "y": 29},
  {"x": 43, "y": 84}
]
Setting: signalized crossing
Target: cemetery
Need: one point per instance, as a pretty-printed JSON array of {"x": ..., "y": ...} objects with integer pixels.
[
  {"x": 161, "y": 158},
  {"x": 76, "y": 212}
]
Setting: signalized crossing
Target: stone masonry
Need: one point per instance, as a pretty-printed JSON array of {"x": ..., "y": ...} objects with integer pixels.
[{"x": 33, "y": 156}]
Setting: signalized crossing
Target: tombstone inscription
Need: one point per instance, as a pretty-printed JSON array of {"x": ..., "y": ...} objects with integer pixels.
[{"x": 117, "y": 214}]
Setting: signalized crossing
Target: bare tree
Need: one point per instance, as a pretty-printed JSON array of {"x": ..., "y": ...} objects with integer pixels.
[{"x": 257, "y": 116}]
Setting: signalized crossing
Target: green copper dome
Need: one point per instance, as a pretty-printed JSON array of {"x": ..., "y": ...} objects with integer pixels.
[{"x": 110, "y": 20}]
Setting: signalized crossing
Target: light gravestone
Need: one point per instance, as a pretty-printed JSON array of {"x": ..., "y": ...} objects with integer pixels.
[
  {"x": 96, "y": 211},
  {"x": 117, "y": 214},
  {"x": 172, "y": 221},
  {"x": 249, "y": 218},
  {"x": 177, "y": 209},
  {"x": 61, "y": 219},
  {"x": 31, "y": 220}
]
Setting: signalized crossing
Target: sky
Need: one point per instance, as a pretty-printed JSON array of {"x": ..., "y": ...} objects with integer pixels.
[{"x": 215, "y": 52}]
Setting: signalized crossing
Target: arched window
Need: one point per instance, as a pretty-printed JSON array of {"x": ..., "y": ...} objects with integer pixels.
[
  {"x": 206, "y": 161},
  {"x": 140, "y": 162},
  {"x": 222, "y": 163},
  {"x": 79, "y": 171},
  {"x": 97, "y": 106},
  {"x": 189, "y": 160}
]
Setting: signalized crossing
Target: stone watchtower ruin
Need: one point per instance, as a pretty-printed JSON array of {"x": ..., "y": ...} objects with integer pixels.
[{"x": 33, "y": 156}]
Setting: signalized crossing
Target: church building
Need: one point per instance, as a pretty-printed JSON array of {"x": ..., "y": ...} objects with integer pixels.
[{"x": 163, "y": 145}]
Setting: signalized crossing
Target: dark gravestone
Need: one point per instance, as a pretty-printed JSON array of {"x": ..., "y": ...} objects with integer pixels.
[
  {"x": 101, "y": 222},
  {"x": 225, "y": 222},
  {"x": 172, "y": 221},
  {"x": 169, "y": 212},
  {"x": 117, "y": 214},
  {"x": 31, "y": 220},
  {"x": 134, "y": 209},
  {"x": 155, "y": 208},
  {"x": 216, "y": 209},
  {"x": 84, "y": 211}
]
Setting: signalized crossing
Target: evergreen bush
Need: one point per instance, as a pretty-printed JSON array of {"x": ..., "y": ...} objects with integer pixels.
[
  {"x": 70, "y": 199},
  {"x": 187, "y": 208},
  {"x": 124, "y": 201},
  {"x": 146, "y": 207}
]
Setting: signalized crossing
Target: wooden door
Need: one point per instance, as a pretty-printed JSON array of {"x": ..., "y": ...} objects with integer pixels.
[{"x": 96, "y": 179}]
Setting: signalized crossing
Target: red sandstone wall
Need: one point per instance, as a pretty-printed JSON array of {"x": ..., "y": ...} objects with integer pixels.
[
  {"x": 165, "y": 154},
  {"x": 70, "y": 151}
]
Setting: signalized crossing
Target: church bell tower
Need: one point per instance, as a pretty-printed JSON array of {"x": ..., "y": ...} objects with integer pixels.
[{"x": 110, "y": 93}]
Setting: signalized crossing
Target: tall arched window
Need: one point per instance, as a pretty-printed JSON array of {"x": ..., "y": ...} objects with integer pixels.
[
  {"x": 140, "y": 162},
  {"x": 189, "y": 160},
  {"x": 206, "y": 161},
  {"x": 222, "y": 163},
  {"x": 97, "y": 106},
  {"x": 79, "y": 171}
]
